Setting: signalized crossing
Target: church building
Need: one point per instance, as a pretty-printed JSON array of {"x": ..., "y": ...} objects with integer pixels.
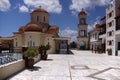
[{"x": 39, "y": 32}]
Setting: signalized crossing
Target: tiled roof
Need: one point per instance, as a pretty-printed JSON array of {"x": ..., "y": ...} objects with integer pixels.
[{"x": 32, "y": 27}]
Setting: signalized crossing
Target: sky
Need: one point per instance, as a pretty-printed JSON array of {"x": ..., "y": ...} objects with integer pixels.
[{"x": 63, "y": 13}]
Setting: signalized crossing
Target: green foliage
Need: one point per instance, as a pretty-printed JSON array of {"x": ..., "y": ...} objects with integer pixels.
[
  {"x": 82, "y": 47},
  {"x": 41, "y": 47},
  {"x": 31, "y": 52},
  {"x": 73, "y": 45},
  {"x": 46, "y": 47},
  {"x": 109, "y": 51}
]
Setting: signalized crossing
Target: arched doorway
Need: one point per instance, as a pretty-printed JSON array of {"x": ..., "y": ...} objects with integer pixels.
[{"x": 82, "y": 45}]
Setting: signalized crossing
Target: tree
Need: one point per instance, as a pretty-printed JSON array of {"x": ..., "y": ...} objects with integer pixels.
[{"x": 73, "y": 45}]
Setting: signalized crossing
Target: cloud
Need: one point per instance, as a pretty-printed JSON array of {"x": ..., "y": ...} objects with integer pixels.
[
  {"x": 69, "y": 33},
  {"x": 77, "y": 5},
  {"x": 49, "y": 5},
  {"x": 4, "y": 5},
  {"x": 23, "y": 9},
  {"x": 92, "y": 26}
]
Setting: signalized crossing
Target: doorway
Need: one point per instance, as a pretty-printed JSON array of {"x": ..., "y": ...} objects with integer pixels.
[{"x": 82, "y": 45}]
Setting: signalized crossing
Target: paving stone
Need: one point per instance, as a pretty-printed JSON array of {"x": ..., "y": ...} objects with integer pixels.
[{"x": 83, "y": 65}]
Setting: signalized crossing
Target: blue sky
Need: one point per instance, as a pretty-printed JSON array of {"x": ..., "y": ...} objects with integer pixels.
[{"x": 64, "y": 13}]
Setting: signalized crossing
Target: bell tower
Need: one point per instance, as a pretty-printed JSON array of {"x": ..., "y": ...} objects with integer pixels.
[{"x": 82, "y": 31}]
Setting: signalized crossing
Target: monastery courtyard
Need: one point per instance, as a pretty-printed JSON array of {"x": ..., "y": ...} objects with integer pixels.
[{"x": 81, "y": 65}]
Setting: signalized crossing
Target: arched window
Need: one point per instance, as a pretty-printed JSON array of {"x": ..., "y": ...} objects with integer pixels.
[
  {"x": 37, "y": 18},
  {"x": 30, "y": 43},
  {"x": 82, "y": 33},
  {"x": 16, "y": 44},
  {"x": 33, "y": 43},
  {"x": 44, "y": 18}
]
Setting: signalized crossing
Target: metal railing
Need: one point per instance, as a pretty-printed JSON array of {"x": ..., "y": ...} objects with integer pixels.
[{"x": 9, "y": 57}]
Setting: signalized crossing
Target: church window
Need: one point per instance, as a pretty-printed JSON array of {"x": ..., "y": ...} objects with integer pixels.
[
  {"x": 44, "y": 18},
  {"x": 30, "y": 43},
  {"x": 37, "y": 18},
  {"x": 16, "y": 44},
  {"x": 33, "y": 43}
]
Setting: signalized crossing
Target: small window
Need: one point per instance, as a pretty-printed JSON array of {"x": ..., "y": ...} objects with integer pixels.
[
  {"x": 16, "y": 44},
  {"x": 110, "y": 33},
  {"x": 44, "y": 18},
  {"x": 37, "y": 18},
  {"x": 28, "y": 43},
  {"x": 110, "y": 14},
  {"x": 33, "y": 43},
  {"x": 110, "y": 24},
  {"x": 110, "y": 42}
]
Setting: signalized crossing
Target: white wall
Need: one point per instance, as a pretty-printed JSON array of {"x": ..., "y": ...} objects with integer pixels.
[
  {"x": 34, "y": 37},
  {"x": 11, "y": 68}
]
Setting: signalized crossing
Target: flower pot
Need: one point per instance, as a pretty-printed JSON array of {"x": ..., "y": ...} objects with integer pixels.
[
  {"x": 109, "y": 53},
  {"x": 44, "y": 55},
  {"x": 30, "y": 63}
]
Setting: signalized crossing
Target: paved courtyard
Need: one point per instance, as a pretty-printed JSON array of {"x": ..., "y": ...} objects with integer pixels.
[{"x": 83, "y": 65}]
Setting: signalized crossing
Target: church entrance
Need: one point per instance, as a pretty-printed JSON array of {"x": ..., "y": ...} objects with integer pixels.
[{"x": 82, "y": 45}]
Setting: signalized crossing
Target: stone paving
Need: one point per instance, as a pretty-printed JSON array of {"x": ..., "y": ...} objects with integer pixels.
[{"x": 82, "y": 65}]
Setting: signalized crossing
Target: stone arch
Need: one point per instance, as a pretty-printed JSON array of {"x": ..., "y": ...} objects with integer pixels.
[{"x": 82, "y": 45}]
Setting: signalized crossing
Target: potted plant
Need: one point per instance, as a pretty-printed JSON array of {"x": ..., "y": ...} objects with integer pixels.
[
  {"x": 43, "y": 51},
  {"x": 109, "y": 51},
  {"x": 30, "y": 53}
]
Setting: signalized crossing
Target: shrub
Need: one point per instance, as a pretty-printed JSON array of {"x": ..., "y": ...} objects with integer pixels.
[{"x": 31, "y": 52}]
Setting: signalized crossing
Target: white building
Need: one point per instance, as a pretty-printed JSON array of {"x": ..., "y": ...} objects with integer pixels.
[
  {"x": 112, "y": 36},
  {"x": 95, "y": 41}
]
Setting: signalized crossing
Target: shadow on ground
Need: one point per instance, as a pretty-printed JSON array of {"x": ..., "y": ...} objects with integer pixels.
[
  {"x": 48, "y": 60},
  {"x": 35, "y": 68}
]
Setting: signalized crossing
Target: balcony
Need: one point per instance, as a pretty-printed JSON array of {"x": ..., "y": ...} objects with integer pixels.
[{"x": 103, "y": 32}]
